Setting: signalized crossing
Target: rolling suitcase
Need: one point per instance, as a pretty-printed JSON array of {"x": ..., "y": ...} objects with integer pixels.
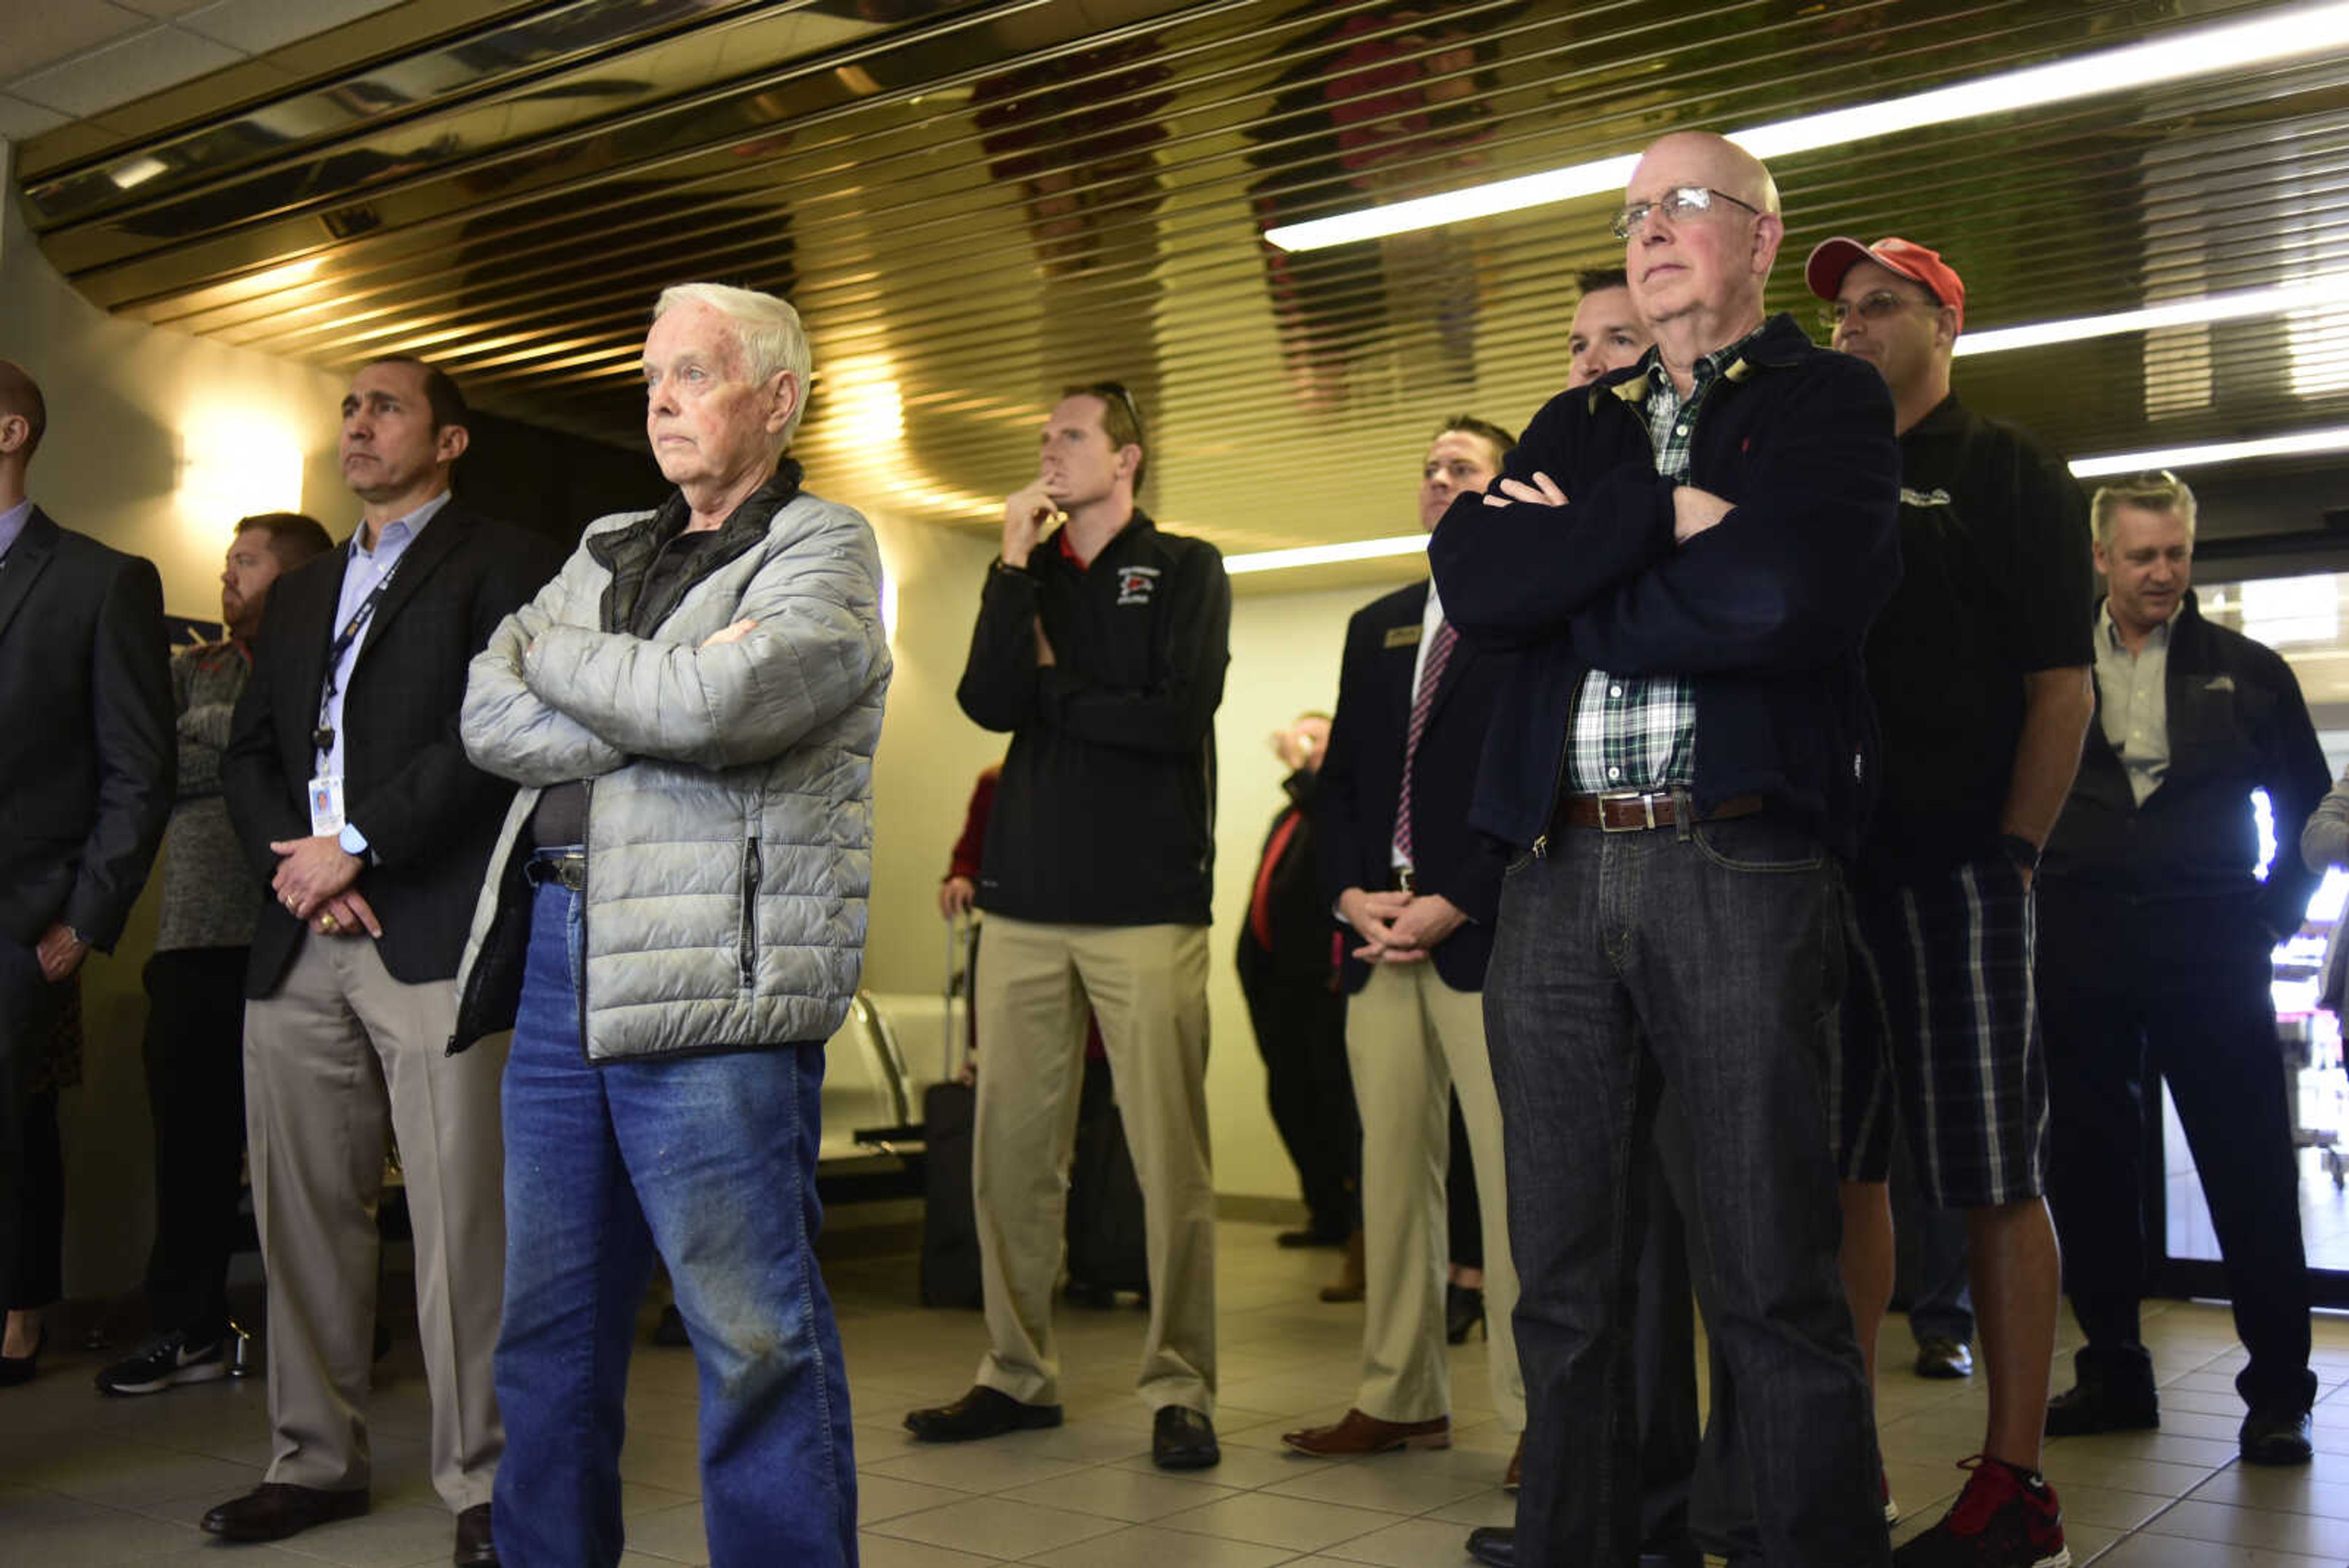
[{"x": 949, "y": 1268}]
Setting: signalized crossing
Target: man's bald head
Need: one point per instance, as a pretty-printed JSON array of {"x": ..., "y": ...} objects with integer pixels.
[
  {"x": 1726, "y": 167},
  {"x": 1701, "y": 230},
  {"x": 20, "y": 399}
]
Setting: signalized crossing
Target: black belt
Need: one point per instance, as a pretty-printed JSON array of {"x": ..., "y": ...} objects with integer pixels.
[
  {"x": 1629, "y": 811},
  {"x": 568, "y": 868},
  {"x": 1402, "y": 879}
]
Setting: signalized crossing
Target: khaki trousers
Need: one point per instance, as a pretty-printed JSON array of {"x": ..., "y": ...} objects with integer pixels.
[
  {"x": 1411, "y": 1040},
  {"x": 341, "y": 1056},
  {"x": 1148, "y": 988}
]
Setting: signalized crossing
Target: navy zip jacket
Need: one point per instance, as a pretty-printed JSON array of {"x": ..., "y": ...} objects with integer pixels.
[
  {"x": 1106, "y": 812},
  {"x": 1764, "y": 613}
]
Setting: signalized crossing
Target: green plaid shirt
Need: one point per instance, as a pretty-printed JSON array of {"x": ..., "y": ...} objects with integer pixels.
[{"x": 1635, "y": 732}]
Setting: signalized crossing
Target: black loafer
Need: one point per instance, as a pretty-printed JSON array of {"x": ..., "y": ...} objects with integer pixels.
[
  {"x": 477, "y": 1543},
  {"x": 274, "y": 1510},
  {"x": 983, "y": 1412},
  {"x": 1183, "y": 1439},
  {"x": 2088, "y": 1407},
  {"x": 2276, "y": 1436},
  {"x": 1494, "y": 1546}
]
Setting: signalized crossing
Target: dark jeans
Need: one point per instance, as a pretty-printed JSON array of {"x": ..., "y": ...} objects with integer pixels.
[
  {"x": 195, "y": 1090},
  {"x": 2184, "y": 988},
  {"x": 1705, "y": 960},
  {"x": 1300, "y": 1032},
  {"x": 711, "y": 1159}
]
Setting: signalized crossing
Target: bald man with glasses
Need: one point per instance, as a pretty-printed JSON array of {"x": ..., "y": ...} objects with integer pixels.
[{"x": 1685, "y": 556}]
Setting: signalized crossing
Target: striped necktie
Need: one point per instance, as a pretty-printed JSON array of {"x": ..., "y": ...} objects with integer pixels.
[{"x": 1439, "y": 654}]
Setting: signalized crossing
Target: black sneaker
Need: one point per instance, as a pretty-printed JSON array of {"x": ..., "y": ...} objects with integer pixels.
[{"x": 165, "y": 1361}]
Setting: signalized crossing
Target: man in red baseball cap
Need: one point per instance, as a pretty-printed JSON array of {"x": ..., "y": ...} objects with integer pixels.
[{"x": 1980, "y": 669}]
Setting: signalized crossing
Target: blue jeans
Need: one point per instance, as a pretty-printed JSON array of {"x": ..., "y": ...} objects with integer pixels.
[
  {"x": 711, "y": 1159},
  {"x": 1706, "y": 959}
]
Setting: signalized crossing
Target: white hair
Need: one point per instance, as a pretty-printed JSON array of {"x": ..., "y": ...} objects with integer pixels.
[{"x": 768, "y": 329}]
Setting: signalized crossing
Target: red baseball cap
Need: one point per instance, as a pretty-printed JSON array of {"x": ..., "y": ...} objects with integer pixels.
[{"x": 1834, "y": 258}]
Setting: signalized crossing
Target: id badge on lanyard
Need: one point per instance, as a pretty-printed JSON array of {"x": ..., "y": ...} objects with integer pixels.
[{"x": 326, "y": 817}]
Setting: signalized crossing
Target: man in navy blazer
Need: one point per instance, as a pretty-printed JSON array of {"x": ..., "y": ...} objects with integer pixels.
[
  {"x": 1684, "y": 558},
  {"x": 1416, "y": 886},
  {"x": 352, "y": 795},
  {"x": 87, "y": 763}
]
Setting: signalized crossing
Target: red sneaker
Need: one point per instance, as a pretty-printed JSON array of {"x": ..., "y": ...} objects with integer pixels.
[{"x": 1998, "y": 1521}]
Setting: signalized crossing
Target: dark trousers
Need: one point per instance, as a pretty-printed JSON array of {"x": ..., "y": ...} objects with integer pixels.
[
  {"x": 195, "y": 1089},
  {"x": 28, "y": 1015},
  {"x": 1300, "y": 1032},
  {"x": 1932, "y": 1277},
  {"x": 1663, "y": 1351},
  {"x": 1703, "y": 961},
  {"x": 1463, "y": 1215},
  {"x": 2181, "y": 987}
]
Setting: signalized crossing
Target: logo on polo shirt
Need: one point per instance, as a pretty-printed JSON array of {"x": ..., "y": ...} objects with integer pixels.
[
  {"x": 1924, "y": 497},
  {"x": 1135, "y": 584}
]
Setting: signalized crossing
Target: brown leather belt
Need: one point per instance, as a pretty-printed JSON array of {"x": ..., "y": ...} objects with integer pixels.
[{"x": 1629, "y": 811}]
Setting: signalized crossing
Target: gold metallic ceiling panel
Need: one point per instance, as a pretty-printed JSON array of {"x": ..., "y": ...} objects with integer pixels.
[{"x": 974, "y": 201}]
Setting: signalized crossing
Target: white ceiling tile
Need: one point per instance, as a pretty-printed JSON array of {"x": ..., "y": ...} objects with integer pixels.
[
  {"x": 259, "y": 25},
  {"x": 43, "y": 34},
  {"x": 119, "y": 72},
  {"x": 19, "y": 119}
]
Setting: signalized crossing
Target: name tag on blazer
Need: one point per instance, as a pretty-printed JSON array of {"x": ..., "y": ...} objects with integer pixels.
[{"x": 1404, "y": 636}]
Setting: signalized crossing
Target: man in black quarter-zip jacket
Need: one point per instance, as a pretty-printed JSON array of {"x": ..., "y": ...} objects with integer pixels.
[{"x": 1101, "y": 648}]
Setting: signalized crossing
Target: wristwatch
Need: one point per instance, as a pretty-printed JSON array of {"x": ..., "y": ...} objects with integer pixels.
[{"x": 2021, "y": 850}]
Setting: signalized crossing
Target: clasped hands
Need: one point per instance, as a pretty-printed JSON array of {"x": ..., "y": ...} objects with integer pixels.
[
  {"x": 1694, "y": 510},
  {"x": 1398, "y": 927},
  {"x": 314, "y": 882}
]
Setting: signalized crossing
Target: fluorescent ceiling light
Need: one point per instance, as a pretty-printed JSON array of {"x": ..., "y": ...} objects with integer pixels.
[
  {"x": 2335, "y": 438},
  {"x": 2278, "y": 35},
  {"x": 1324, "y": 554},
  {"x": 2332, "y": 288}
]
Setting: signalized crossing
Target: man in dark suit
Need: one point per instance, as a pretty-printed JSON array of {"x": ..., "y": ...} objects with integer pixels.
[
  {"x": 1418, "y": 887},
  {"x": 2156, "y": 936},
  {"x": 86, "y": 765},
  {"x": 353, "y": 797}
]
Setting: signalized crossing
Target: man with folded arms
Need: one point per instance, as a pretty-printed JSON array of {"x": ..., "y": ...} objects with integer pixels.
[{"x": 1685, "y": 556}]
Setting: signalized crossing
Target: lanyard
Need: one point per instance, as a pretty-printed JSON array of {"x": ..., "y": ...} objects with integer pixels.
[{"x": 323, "y": 737}]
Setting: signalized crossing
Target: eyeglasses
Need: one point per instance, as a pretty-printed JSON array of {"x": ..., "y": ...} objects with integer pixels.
[
  {"x": 1881, "y": 306},
  {"x": 1678, "y": 206}
]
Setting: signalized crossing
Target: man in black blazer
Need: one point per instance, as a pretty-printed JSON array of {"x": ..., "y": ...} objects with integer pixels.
[
  {"x": 86, "y": 765},
  {"x": 351, "y": 793},
  {"x": 1418, "y": 888}
]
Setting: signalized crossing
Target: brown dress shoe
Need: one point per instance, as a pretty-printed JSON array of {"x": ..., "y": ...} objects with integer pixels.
[
  {"x": 1361, "y": 1434},
  {"x": 1514, "y": 1477},
  {"x": 274, "y": 1510},
  {"x": 1350, "y": 1283},
  {"x": 477, "y": 1547}
]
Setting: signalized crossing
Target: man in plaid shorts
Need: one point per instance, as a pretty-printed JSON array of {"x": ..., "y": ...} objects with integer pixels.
[{"x": 1980, "y": 669}]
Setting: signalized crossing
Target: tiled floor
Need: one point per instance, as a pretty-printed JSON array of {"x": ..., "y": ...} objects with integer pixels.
[{"x": 86, "y": 1481}]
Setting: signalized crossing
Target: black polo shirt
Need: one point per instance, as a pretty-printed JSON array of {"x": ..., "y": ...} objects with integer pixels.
[{"x": 1995, "y": 584}]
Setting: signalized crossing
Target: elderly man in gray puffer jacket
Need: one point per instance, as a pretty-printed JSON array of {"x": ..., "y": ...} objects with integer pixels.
[{"x": 674, "y": 925}]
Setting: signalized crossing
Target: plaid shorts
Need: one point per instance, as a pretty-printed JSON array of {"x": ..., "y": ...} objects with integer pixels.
[{"x": 1940, "y": 1018}]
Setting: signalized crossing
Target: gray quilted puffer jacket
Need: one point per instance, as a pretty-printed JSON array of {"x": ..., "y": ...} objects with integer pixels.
[{"x": 730, "y": 820}]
